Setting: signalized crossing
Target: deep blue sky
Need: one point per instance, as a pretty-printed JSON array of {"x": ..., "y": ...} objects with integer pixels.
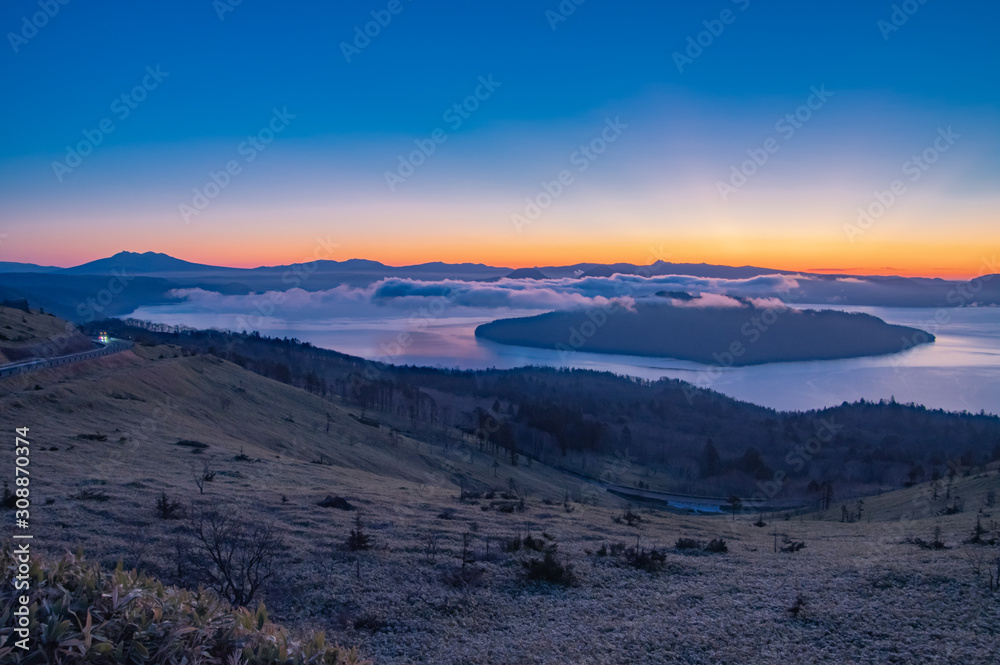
[{"x": 607, "y": 57}]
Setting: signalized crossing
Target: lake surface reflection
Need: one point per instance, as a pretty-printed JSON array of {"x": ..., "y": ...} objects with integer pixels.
[{"x": 960, "y": 371}]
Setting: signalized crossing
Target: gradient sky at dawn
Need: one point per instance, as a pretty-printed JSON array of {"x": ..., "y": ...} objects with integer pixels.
[{"x": 927, "y": 87}]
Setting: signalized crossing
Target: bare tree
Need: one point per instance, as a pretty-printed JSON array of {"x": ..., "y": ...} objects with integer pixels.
[
  {"x": 233, "y": 554},
  {"x": 206, "y": 475},
  {"x": 978, "y": 560}
]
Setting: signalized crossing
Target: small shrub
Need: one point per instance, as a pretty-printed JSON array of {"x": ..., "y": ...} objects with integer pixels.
[
  {"x": 469, "y": 495},
  {"x": 9, "y": 498},
  {"x": 369, "y": 622},
  {"x": 549, "y": 570},
  {"x": 688, "y": 544},
  {"x": 431, "y": 548},
  {"x": 536, "y": 544},
  {"x": 166, "y": 509},
  {"x": 932, "y": 545},
  {"x": 90, "y": 495},
  {"x": 717, "y": 546},
  {"x": 527, "y": 542},
  {"x": 793, "y": 546},
  {"x": 798, "y": 606},
  {"x": 358, "y": 539},
  {"x": 464, "y": 577},
  {"x": 935, "y": 544},
  {"x": 651, "y": 561},
  {"x": 338, "y": 502},
  {"x": 615, "y": 549},
  {"x": 977, "y": 535},
  {"x": 628, "y": 517},
  {"x": 955, "y": 507}
]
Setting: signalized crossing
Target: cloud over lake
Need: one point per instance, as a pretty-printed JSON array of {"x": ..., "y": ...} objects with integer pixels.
[{"x": 504, "y": 294}]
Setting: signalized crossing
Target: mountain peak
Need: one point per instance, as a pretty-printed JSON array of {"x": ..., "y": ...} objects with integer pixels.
[{"x": 137, "y": 263}]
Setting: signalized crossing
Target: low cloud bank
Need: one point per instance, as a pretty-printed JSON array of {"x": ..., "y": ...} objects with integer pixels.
[{"x": 406, "y": 295}]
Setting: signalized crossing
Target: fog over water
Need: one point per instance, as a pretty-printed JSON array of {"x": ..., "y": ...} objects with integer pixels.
[{"x": 959, "y": 371}]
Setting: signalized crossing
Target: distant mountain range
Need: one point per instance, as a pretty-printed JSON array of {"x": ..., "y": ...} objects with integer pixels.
[
  {"x": 117, "y": 285},
  {"x": 159, "y": 265},
  {"x": 14, "y": 266}
]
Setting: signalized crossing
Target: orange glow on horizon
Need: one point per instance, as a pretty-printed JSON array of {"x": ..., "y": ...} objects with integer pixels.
[{"x": 876, "y": 258}]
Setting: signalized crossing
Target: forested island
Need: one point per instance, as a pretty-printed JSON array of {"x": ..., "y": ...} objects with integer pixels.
[{"x": 746, "y": 334}]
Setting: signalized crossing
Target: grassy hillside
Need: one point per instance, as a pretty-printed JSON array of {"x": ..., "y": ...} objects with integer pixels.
[
  {"x": 32, "y": 334},
  {"x": 134, "y": 410},
  {"x": 667, "y": 434},
  {"x": 439, "y": 579}
]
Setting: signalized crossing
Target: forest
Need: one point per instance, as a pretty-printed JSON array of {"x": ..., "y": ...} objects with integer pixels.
[{"x": 665, "y": 434}]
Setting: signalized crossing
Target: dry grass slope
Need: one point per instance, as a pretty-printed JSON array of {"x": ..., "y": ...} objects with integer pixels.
[{"x": 31, "y": 333}]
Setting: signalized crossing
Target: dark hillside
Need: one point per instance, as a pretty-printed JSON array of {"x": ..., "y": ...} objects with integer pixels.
[{"x": 684, "y": 438}]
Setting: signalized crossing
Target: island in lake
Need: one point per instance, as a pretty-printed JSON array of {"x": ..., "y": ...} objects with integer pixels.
[{"x": 745, "y": 334}]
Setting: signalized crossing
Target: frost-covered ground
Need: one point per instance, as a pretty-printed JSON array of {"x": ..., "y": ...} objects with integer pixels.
[
  {"x": 866, "y": 595},
  {"x": 864, "y": 600}
]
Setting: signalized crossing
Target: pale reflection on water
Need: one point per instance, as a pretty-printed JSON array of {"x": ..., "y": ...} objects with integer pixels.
[{"x": 960, "y": 371}]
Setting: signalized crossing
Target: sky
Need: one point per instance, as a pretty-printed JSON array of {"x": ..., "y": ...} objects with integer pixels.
[{"x": 855, "y": 136}]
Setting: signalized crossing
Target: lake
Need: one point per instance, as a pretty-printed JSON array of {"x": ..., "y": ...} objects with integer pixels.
[{"x": 959, "y": 371}]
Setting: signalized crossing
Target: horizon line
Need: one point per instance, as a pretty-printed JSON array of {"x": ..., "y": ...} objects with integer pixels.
[{"x": 881, "y": 271}]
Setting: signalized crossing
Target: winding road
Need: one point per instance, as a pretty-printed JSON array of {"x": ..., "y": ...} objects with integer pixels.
[{"x": 113, "y": 345}]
